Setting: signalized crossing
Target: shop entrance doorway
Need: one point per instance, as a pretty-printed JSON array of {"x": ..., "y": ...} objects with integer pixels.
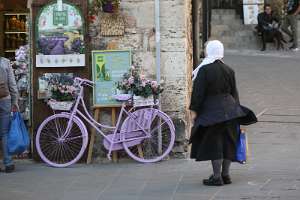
[
  {"x": 201, "y": 18},
  {"x": 14, "y": 45}
]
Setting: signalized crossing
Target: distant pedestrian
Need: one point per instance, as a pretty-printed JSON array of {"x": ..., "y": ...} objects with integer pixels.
[
  {"x": 8, "y": 104},
  {"x": 291, "y": 21},
  {"x": 268, "y": 26},
  {"x": 216, "y": 111}
]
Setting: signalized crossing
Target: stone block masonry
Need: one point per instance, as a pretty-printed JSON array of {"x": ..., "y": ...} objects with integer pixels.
[{"x": 140, "y": 38}]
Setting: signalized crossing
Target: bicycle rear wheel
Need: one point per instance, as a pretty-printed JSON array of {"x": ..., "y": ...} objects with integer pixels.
[
  {"x": 55, "y": 150},
  {"x": 160, "y": 141}
]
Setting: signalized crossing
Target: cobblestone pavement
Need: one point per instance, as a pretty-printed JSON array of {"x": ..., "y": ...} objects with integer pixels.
[{"x": 267, "y": 83}]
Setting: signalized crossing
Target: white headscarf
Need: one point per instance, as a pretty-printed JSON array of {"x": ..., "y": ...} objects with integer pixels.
[{"x": 214, "y": 51}]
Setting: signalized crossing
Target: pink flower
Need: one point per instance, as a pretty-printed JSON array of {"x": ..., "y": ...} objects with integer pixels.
[
  {"x": 131, "y": 80},
  {"x": 72, "y": 88},
  {"x": 154, "y": 84},
  {"x": 125, "y": 82},
  {"x": 143, "y": 84},
  {"x": 142, "y": 77}
]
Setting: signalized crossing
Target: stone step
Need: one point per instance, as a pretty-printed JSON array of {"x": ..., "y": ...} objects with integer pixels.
[
  {"x": 243, "y": 42},
  {"x": 224, "y": 17},
  {"x": 229, "y": 28},
  {"x": 223, "y": 12},
  {"x": 234, "y": 24},
  {"x": 232, "y": 33}
]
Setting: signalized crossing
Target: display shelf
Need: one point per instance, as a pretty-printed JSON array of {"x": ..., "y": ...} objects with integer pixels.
[
  {"x": 15, "y": 32},
  {"x": 10, "y": 51},
  {"x": 11, "y": 14}
]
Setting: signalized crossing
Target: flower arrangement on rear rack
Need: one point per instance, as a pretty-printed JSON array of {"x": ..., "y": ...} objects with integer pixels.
[
  {"x": 63, "y": 93},
  {"x": 144, "y": 91}
]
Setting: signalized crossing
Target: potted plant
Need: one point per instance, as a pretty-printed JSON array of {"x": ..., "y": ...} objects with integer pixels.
[
  {"x": 144, "y": 91},
  {"x": 109, "y": 6}
]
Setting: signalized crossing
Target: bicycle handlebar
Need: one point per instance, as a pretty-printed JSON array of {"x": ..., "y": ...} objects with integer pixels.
[{"x": 83, "y": 81}]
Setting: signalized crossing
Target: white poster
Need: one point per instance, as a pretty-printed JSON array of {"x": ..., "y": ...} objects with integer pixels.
[
  {"x": 253, "y": 2},
  {"x": 251, "y": 10},
  {"x": 250, "y": 14}
]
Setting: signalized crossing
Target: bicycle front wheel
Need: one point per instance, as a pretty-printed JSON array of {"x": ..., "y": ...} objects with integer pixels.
[
  {"x": 59, "y": 151},
  {"x": 161, "y": 135}
]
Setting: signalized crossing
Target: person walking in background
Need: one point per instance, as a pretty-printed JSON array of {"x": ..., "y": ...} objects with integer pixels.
[
  {"x": 215, "y": 110},
  {"x": 291, "y": 21},
  {"x": 8, "y": 104}
]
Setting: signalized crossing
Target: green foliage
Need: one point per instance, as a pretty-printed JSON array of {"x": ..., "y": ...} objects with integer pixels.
[{"x": 58, "y": 96}]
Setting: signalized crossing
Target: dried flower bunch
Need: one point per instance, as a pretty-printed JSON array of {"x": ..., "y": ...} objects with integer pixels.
[{"x": 135, "y": 82}]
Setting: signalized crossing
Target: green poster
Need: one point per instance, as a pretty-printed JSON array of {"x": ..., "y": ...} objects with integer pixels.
[{"x": 108, "y": 68}]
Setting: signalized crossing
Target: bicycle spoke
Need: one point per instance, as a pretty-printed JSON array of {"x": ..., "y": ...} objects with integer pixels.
[
  {"x": 73, "y": 138},
  {"x": 160, "y": 136},
  {"x": 57, "y": 126},
  {"x": 58, "y": 151},
  {"x": 67, "y": 153},
  {"x": 157, "y": 127}
]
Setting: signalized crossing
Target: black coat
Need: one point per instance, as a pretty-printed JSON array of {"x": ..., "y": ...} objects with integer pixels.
[
  {"x": 215, "y": 97},
  {"x": 215, "y": 100},
  {"x": 264, "y": 20}
]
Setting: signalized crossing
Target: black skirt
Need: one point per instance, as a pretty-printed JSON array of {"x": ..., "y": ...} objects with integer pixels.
[{"x": 215, "y": 142}]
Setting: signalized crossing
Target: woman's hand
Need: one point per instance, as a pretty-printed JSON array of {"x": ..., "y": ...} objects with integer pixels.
[
  {"x": 193, "y": 115},
  {"x": 14, "y": 108}
]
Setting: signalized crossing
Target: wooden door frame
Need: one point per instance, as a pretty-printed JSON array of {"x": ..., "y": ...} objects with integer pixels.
[{"x": 39, "y": 108}]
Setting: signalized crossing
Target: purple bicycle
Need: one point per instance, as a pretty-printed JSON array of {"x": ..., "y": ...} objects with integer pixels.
[{"x": 145, "y": 133}]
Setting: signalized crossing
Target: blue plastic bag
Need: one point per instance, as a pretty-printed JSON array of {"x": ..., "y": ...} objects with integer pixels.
[
  {"x": 18, "y": 138},
  {"x": 241, "y": 151}
]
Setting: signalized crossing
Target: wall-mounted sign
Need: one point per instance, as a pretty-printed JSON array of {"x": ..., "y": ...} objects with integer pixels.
[
  {"x": 60, "y": 41},
  {"x": 108, "y": 68}
]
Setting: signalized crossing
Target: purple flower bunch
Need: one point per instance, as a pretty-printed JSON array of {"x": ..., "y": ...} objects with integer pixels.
[{"x": 136, "y": 83}]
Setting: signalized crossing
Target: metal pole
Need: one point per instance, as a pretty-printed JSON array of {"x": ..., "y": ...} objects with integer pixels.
[{"x": 157, "y": 40}]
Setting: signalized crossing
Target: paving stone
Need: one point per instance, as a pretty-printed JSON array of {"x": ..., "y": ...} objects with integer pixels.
[{"x": 269, "y": 80}]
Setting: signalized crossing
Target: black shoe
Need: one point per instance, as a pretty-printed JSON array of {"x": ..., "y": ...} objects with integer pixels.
[
  {"x": 9, "y": 169},
  {"x": 211, "y": 181},
  {"x": 263, "y": 49},
  {"x": 226, "y": 179}
]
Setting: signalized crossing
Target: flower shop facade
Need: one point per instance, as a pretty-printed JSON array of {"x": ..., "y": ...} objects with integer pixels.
[{"x": 129, "y": 31}]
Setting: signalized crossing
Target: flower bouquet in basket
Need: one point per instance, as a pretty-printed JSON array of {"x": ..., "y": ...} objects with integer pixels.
[
  {"x": 62, "y": 95},
  {"x": 144, "y": 91}
]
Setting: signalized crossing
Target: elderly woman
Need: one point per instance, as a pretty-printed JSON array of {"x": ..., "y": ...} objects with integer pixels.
[
  {"x": 8, "y": 104},
  {"x": 216, "y": 113}
]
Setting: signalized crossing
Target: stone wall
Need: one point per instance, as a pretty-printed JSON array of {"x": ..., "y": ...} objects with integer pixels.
[{"x": 140, "y": 38}]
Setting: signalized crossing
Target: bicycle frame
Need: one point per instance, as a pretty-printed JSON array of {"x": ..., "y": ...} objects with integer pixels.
[{"x": 88, "y": 118}]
